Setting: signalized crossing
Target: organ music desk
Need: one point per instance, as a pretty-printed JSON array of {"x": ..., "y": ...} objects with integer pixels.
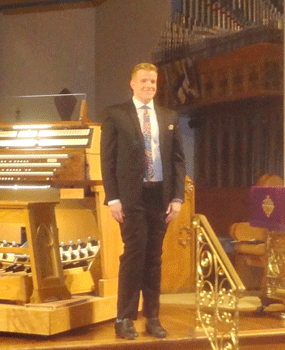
[{"x": 65, "y": 274}]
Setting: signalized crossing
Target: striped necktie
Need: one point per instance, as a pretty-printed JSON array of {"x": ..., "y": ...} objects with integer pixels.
[{"x": 149, "y": 172}]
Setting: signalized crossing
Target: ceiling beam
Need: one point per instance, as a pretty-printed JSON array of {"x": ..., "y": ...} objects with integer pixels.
[{"x": 20, "y": 6}]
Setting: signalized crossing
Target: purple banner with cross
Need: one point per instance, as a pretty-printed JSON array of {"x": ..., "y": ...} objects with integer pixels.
[{"x": 267, "y": 207}]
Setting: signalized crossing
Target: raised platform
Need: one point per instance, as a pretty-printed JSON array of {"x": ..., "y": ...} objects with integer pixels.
[
  {"x": 264, "y": 332},
  {"x": 55, "y": 317}
]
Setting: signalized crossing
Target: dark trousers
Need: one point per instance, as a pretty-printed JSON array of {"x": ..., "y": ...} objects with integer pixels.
[{"x": 142, "y": 231}]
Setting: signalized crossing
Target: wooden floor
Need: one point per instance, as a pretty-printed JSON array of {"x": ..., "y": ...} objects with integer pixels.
[{"x": 256, "y": 332}]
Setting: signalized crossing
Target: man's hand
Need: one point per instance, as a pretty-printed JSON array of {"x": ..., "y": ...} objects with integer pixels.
[
  {"x": 173, "y": 211},
  {"x": 117, "y": 212}
]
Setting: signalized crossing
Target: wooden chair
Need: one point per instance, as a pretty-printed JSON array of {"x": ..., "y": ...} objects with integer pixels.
[
  {"x": 250, "y": 254},
  {"x": 269, "y": 180},
  {"x": 250, "y": 246}
]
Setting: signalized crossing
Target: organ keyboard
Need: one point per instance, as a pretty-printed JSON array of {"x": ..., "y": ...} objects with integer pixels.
[{"x": 46, "y": 156}]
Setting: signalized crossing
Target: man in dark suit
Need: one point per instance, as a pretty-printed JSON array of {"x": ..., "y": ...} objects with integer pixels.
[{"x": 143, "y": 170}]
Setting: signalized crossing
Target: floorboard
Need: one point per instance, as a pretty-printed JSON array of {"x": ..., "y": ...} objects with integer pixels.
[{"x": 262, "y": 332}]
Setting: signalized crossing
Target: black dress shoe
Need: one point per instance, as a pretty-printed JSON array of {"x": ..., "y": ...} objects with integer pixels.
[
  {"x": 125, "y": 329},
  {"x": 153, "y": 327}
]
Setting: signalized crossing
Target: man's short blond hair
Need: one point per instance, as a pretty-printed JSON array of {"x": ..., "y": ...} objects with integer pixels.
[{"x": 144, "y": 66}]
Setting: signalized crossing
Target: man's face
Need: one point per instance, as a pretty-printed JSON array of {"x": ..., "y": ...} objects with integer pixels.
[{"x": 144, "y": 85}]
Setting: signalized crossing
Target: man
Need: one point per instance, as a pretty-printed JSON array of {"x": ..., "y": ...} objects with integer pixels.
[{"x": 143, "y": 170}]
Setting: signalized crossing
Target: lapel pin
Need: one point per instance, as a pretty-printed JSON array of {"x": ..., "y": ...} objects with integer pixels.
[{"x": 170, "y": 127}]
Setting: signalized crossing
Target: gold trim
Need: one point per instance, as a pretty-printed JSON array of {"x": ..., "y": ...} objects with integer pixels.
[{"x": 268, "y": 206}]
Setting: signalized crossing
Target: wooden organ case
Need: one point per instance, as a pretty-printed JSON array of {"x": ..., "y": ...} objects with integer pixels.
[{"x": 59, "y": 247}]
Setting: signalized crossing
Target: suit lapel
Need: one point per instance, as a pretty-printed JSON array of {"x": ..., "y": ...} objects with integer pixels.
[{"x": 131, "y": 111}]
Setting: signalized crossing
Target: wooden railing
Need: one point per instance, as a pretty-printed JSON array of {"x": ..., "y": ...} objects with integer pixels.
[{"x": 218, "y": 289}]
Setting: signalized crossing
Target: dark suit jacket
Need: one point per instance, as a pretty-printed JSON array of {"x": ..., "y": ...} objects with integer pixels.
[{"x": 122, "y": 154}]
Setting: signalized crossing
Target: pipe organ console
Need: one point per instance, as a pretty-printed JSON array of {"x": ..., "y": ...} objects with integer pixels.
[{"x": 51, "y": 193}]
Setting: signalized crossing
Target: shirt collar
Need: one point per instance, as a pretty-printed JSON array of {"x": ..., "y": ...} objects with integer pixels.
[{"x": 138, "y": 104}]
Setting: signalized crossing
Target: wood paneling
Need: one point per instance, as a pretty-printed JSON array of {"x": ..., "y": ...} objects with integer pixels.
[
  {"x": 251, "y": 71},
  {"x": 178, "y": 259},
  {"x": 223, "y": 207}
]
